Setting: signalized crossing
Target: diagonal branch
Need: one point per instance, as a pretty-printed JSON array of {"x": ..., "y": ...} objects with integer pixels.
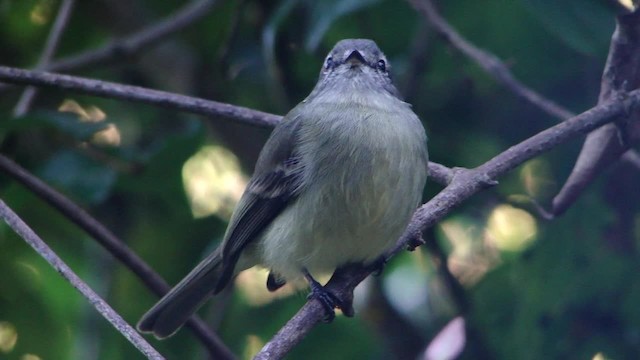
[
  {"x": 602, "y": 147},
  {"x": 487, "y": 61},
  {"x": 464, "y": 184},
  {"x": 114, "y": 245},
  {"x": 101, "y": 306},
  {"x": 62, "y": 19}
]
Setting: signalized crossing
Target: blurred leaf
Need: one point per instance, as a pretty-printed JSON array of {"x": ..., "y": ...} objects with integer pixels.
[
  {"x": 584, "y": 25},
  {"x": 325, "y": 13},
  {"x": 79, "y": 176},
  {"x": 64, "y": 122}
]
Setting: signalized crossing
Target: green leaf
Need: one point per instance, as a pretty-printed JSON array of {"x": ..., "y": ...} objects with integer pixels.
[{"x": 584, "y": 25}]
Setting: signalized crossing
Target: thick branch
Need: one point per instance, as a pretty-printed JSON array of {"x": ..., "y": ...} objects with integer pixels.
[
  {"x": 114, "y": 245},
  {"x": 101, "y": 306},
  {"x": 465, "y": 183}
]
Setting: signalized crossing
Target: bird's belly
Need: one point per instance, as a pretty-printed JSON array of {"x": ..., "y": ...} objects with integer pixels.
[{"x": 356, "y": 213}]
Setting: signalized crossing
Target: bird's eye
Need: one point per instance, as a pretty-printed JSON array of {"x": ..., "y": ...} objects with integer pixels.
[
  {"x": 382, "y": 65},
  {"x": 329, "y": 63}
]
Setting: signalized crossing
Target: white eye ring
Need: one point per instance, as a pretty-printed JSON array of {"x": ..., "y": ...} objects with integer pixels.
[{"x": 382, "y": 65}]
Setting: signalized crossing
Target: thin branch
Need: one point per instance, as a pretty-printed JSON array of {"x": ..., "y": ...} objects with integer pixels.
[
  {"x": 138, "y": 94},
  {"x": 465, "y": 184},
  {"x": 487, "y": 61},
  {"x": 114, "y": 245},
  {"x": 440, "y": 173},
  {"x": 632, "y": 158},
  {"x": 57, "y": 29},
  {"x": 603, "y": 147},
  {"x": 136, "y": 42},
  {"x": 101, "y": 306}
]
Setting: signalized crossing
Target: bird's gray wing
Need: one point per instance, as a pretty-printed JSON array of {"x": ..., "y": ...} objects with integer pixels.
[{"x": 276, "y": 182}]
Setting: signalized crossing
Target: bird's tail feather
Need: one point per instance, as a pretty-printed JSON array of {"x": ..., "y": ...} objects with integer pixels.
[{"x": 175, "y": 308}]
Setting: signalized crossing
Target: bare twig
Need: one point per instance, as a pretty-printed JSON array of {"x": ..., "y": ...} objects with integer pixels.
[
  {"x": 487, "y": 61},
  {"x": 137, "y": 42},
  {"x": 139, "y": 94},
  {"x": 604, "y": 146},
  {"x": 632, "y": 158},
  {"x": 465, "y": 183},
  {"x": 114, "y": 245},
  {"x": 62, "y": 19},
  {"x": 101, "y": 306}
]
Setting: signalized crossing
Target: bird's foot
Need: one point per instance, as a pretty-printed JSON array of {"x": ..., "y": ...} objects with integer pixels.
[{"x": 329, "y": 300}]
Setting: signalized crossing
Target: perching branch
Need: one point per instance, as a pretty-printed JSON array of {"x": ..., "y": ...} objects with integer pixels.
[
  {"x": 101, "y": 306},
  {"x": 114, "y": 245},
  {"x": 465, "y": 183},
  {"x": 62, "y": 19}
]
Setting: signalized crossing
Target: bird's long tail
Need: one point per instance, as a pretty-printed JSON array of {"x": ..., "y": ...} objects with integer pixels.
[{"x": 175, "y": 308}]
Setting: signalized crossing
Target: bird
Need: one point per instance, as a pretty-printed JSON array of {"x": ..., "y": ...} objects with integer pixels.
[{"x": 335, "y": 184}]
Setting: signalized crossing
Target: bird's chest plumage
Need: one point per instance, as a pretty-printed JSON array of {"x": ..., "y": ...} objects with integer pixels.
[{"x": 364, "y": 179}]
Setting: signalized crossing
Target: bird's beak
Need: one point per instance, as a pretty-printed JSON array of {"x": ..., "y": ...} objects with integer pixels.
[{"x": 355, "y": 58}]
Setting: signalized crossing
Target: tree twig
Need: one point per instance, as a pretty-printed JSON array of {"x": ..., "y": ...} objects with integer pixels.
[
  {"x": 101, "y": 306},
  {"x": 601, "y": 148},
  {"x": 138, "y": 94},
  {"x": 487, "y": 61},
  {"x": 57, "y": 29},
  {"x": 604, "y": 146},
  {"x": 114, "y": 245},
  {"x": 465, "y": 183}
]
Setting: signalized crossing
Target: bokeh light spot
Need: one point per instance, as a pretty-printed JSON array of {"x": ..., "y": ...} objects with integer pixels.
[
  {"x": 213, "y": 181},
  {"x": 8, "y": 336},
  {"x": 511, "y": 229}
]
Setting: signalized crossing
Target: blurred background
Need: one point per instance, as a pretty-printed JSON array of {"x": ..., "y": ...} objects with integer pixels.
[{"x": 166, "y": 182}]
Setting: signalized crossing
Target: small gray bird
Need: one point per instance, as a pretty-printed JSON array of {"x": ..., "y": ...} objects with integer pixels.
[{"x": 336, "y": 183}]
